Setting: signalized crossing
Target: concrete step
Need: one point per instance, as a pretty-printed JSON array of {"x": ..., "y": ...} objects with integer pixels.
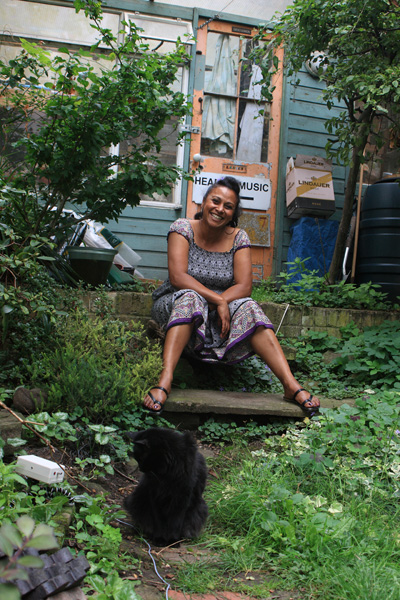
[{"x": 212, "y": 402}]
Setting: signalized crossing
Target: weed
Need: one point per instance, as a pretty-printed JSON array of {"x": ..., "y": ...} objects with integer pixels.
[{"x": 304, "y": 287}]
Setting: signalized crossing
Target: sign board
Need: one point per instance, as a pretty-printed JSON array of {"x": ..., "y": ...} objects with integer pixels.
[
  {"x": 255, "y": 192},
  {"x": 257, "y": 226}
]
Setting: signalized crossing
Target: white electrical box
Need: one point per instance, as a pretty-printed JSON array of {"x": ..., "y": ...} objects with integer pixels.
[{"x": 39, "y": 468}]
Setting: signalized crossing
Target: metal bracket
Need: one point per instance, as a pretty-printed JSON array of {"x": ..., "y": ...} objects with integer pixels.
[{"x": 190, "y": 129}]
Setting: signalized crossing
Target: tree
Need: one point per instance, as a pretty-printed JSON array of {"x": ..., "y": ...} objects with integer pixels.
[
  {"x": 62, "y": 118},
  {"x": 361, "y": 68}
]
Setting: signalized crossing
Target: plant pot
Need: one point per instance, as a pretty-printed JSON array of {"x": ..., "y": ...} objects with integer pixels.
[{"x": 92, "y": 265}]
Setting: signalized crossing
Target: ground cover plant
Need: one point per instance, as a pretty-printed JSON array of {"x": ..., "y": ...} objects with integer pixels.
[
  {"x": 304, "y": 287},
  {"x": 315, "y": 509},
  {"x": 293, "y": 511},
  {"x": 291, "y": 499}
]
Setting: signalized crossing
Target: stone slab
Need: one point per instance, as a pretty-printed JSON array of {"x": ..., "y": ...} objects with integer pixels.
[
  {"x": 238, "y": 403},
  {"x": 10, "y": 427}
]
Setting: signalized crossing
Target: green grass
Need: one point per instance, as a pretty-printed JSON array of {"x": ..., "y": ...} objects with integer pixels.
[{"x": 317, "y": 509}]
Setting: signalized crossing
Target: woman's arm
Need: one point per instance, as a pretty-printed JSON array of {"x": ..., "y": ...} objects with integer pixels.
[
  {"x": 242, "y": 275},
  {"x": 178, "y": 258}
]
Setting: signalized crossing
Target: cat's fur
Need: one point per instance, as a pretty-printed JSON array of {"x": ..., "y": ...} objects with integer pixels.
[{"x": 167, "y": 505}]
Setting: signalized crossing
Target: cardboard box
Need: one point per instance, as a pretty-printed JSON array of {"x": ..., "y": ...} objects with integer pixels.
[
  {"x": 305, "y": 207},
  {"x": 309, "y": 186}
]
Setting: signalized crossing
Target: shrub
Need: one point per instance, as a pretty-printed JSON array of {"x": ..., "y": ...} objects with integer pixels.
[{"x": 101, "y": 365}]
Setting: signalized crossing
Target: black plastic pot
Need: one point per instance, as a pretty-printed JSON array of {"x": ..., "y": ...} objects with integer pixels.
[{"x": 92, "y": 265}]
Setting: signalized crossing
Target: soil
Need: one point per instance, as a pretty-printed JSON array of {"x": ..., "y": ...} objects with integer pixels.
[{"x": 166, "y": 560}]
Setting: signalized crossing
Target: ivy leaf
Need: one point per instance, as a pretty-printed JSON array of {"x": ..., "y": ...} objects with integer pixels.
[{"x": 5, "y": 545}]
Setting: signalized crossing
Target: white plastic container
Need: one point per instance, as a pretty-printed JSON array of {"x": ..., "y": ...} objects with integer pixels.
[
  {"x": 129, "y": 255},
  {"x": 39, "y": 468}
]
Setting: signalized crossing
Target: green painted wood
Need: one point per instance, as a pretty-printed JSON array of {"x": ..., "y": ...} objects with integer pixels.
[
  {"x": 149, "y": 7},
  {"x": 303, "y": 132}
]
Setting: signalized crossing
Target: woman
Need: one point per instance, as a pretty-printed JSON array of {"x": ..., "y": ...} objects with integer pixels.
[{"x": 205, "y": 304}]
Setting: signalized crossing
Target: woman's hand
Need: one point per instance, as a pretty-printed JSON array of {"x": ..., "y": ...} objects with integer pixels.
[{"x": 224, "y": 317}]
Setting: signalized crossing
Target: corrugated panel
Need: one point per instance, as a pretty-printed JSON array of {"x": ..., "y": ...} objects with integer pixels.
[{"x": 303, "y": 132}]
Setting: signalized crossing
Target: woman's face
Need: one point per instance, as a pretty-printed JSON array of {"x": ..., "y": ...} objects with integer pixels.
[{"x": 219, "y": 207}]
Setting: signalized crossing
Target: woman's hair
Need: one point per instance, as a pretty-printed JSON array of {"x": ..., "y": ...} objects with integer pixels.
[{"x": 232, "y": 184}]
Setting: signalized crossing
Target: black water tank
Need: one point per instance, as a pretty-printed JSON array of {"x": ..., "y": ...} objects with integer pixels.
[{"x": 378, "y": 256}]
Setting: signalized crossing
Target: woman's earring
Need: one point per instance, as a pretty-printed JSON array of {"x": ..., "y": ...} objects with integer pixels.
[{"x": 201, "y": 213}]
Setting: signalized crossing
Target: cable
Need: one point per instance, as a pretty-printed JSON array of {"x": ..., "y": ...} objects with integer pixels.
[
  {"x": 215, "y": 17},
  {"x": 151, "y": 556}
]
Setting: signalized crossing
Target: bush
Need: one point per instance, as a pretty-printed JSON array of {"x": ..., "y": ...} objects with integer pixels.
[{"x": 102, "y": 365}]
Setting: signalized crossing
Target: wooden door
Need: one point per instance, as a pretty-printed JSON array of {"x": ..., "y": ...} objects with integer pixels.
[{"x": 235, "y": 132}]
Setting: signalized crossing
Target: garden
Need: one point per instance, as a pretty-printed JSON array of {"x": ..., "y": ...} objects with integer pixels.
[
  {"x": 305, "y": 509},
  {"x": 301, "y": 507}
]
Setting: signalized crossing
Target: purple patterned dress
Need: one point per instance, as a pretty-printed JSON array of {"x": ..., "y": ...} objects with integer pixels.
[{"x": 215, "y": 271}]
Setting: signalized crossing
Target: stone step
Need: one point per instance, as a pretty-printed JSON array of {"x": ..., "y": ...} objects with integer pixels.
[{"x": 212, "y": 402}]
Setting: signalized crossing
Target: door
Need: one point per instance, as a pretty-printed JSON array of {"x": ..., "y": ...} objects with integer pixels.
[{"x": 234, "y": 132}]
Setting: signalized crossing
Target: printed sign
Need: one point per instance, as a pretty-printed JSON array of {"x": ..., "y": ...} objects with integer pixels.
[{"x": 255, "y": 192}]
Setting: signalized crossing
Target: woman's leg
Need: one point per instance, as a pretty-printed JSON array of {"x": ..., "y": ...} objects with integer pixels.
[
  {"x": 265, "y": 343},
  {"x": 176, "y": 339}
]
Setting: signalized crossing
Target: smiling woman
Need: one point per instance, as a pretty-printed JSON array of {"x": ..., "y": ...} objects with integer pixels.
[{"x": 205, "y": 305}]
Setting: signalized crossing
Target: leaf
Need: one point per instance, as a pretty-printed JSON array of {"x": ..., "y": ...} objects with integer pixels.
[
  {"x": 26, "y": 525},
  {"x": 5, "y": 545},
  {"x": 9, "y": 591},
  {"x": 12, "y": 534},
  {"x": 96, "y": 582},
  {"x": 43, "y": 542},
  {"x": 42, "y": 529},
  {"x": 128, "y": 593},
  {"x": 30, "y": 561},
  {"x": 13, "y": 573}
]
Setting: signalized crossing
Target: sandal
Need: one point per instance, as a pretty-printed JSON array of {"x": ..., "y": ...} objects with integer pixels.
[
  {"x": 161, "y": 404},
  {"x": 309, "y": 410}
]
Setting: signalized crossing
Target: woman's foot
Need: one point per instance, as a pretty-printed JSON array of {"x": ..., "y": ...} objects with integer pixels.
[
  {"x": 307, "y": 402},
  {"x": 155, "y": 399}
]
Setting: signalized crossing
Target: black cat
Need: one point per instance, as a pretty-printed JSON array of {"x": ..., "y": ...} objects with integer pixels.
[{"x": 167, "y": 505}]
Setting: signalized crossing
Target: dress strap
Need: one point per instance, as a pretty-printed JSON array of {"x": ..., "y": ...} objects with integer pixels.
[{"x": 183, "y": 227}]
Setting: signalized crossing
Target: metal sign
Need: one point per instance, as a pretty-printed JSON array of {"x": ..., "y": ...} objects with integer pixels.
[
  {"x": 257, "y": 225},
  {"x": 255, "y": 192}
]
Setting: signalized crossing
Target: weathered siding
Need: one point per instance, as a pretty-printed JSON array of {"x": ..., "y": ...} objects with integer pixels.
[
  {"x": 145, "y": 230},
  {"x": 303, "y": 132}
]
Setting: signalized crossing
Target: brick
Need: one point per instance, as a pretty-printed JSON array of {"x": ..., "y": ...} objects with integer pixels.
[{"x": 320, "y": 317}]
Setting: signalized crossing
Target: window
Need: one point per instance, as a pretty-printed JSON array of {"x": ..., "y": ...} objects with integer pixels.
[
  {"x": 232, "y": 125},
  {"x": 161, "y": 35}
]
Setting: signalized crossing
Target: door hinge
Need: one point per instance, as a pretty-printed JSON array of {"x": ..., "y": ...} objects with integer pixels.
[{"x": 189, "y": 129}]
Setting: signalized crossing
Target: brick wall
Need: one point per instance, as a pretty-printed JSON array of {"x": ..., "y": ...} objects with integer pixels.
[{"x": 291, "y": 320}]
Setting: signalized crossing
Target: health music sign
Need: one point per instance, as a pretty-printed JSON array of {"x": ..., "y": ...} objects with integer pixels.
[{"x": 255, "y": 192}]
